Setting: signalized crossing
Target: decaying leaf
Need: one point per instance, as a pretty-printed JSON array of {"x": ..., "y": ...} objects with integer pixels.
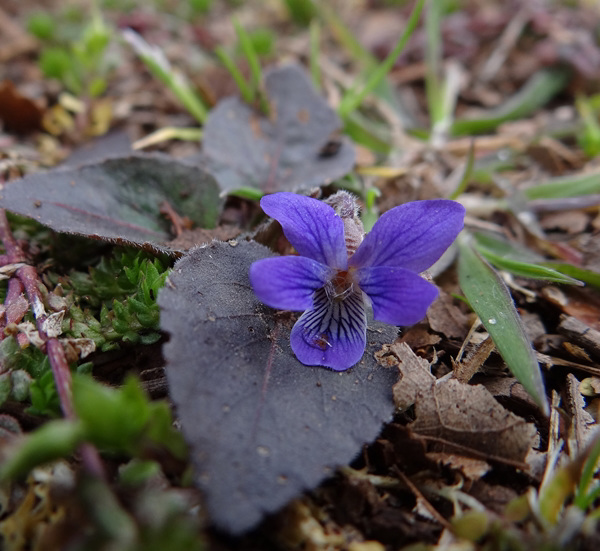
[
  {"x": 583, "y": 425},
  {"x": 295, "y": 147},
  {"x": 18, "y": 113},
  {"x": 447, "y": 318},
  {"x": 262, "y": 427},
  {"x": 117, "y": 199},
  {"x": 467, "y": 415}
]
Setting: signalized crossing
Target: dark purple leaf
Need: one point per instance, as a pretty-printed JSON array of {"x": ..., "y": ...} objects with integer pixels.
[
  {"x": 117, "y": 199},
  {"x": 296, "y": 146},
  {"x": 113, "y": 144},
  {"x": 262, "y": 427}
]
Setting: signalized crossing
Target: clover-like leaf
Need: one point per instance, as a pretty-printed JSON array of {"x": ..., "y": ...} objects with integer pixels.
[
  {"x": 118, "y": 199},
  {"x": 262, "y": 427},
  {"x": 295, "y": 147}
]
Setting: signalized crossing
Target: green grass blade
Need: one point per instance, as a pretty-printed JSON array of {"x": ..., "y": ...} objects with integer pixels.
[
  {"x": 536, "y": 92},
  {"x": 526, "y": 269},
  {"x": 583, "y": 496},
  {"x": 467, "y": 173},
  {"x": 158, "y": 65},
  {"x": 492, "y": 302},
  {"x": 251, "y": 55},
  {"x": 355, "y": 96},
  {"x": 566, "y": 186},
  {"x": 433, "y": 58},
  {"x": 246, "y": 192},
  {"x": 368, "y": 133},
  {"x": 589, "y": 277},
  {"x": 385, "y": 90},
  {"x": 246, "y": 90},
  {"x": 344, "y": 35},
  {"x": 315, "y": 42}
]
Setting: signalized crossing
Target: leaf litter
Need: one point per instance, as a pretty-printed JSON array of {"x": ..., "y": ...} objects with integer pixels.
[{"x": 439, "y": 462}]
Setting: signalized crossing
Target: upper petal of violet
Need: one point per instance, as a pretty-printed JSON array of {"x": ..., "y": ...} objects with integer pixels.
[
  {"x": 311, "y": 226},
  {"x": 398, "y": 296},
  {"x": 288, "y": 282},
  {"x": 411, "y": 236}
]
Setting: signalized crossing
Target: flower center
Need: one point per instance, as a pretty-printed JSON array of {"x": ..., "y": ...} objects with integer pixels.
[{"x": 341, "y": 285}]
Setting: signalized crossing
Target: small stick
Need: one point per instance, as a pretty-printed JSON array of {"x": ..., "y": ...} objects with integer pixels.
[
  {"x": 28, "y": 279},
  {"x": 420, "y": 497}
]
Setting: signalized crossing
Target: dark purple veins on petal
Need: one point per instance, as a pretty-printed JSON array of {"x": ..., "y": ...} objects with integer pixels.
[{"x": 332, "y": 333}]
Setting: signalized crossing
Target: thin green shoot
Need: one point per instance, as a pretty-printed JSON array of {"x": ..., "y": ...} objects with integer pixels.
[
  {"x": 572, "y": 185},
  {"x": 589, "y": 138},
  {"x": 434, "y": 87},
  {"x": 168, "y": 133},
  {"x": 159, "y": 66},
  {"x": 344, "y": 36},
  {"x": 371, "y": 212},
  {"x": 467, "y": 173},
  {"x": 253, "y": 62},
  {"x": 315, "y": 42},
  {"x": 246, "y": 192},
  {"x": 246, "y": 89},
  {"x": 356, "y": 95},
  {"x": 587, "y": 492}
]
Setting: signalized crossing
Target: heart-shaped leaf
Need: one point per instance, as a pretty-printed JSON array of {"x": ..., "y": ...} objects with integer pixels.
[
  {"x": 295, "y": 147},
  {"x": 117, "y": 199},
  {"x": 262, "y": 426}
]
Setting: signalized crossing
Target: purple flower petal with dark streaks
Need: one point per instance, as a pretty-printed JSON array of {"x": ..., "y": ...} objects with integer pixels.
[{"x": 331, "y": 281}]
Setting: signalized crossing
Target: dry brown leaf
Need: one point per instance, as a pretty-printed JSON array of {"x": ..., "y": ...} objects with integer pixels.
[
  {"x": 18, "y": 113},
  {"x": 466, "y": 368},
  {"x": 582, "y": 423},
  {"x": 466, "y": 415},
  {"x": 419, "y": 336},
  {"x": 571, "y": 222},
  {"x": 446, "y": 318},
  {"x": 417, "y": 379},
  {"x": 509, "y": 388}
]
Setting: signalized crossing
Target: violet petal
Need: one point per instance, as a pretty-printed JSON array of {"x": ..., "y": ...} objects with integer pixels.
[
  {"x": 311, "y": 226},
  {"x": 288, "y": 282},
  {"x": 398, "y": 296},
  {"x": 412, "y": 236},
  {"x": 332, "y": 333}
]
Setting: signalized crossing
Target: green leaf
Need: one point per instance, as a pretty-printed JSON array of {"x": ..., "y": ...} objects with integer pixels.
[
  {"x": 526, "y": 269},
  {"x": 52, "y": 441},
  {"x": 129, "y": 420},
  {"x": 251, "y": 193},
  {"x": 566, "y": 186},
  {"x": 536, "y": 92},
  {"x": 491, "y": 301}
]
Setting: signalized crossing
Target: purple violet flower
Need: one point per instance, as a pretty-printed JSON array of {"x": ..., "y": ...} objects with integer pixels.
[{"x": 337, "y": 270}]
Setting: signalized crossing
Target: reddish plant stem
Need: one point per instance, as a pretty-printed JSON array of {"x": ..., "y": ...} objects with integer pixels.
[
  {"x": 13, "y": 313},
  {"x": 29, "y": 280}
]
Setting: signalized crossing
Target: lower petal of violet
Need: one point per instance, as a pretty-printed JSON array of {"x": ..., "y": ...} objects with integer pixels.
[
  {"x": 398, "y": 296},
  {"x": 333, "y": 333}
]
